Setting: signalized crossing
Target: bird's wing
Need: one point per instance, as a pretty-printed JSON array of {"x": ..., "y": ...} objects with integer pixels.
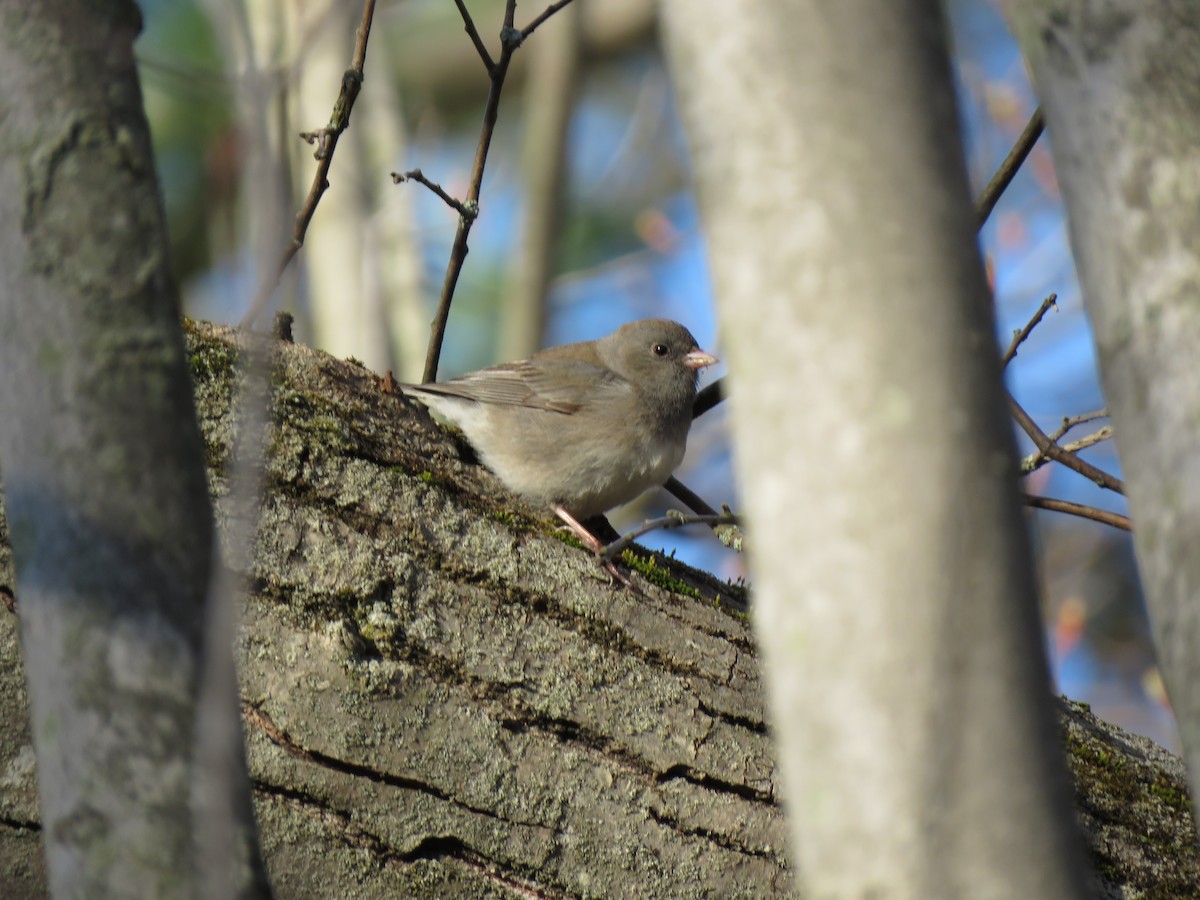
[{"x": 555, "y": 385}]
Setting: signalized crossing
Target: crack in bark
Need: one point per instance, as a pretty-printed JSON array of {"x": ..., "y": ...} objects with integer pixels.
[
  {"x": 577, "y": 734},
  {"x": 717, "y": 785},
  {"x": 754, "y": 725},
  {"x": 20, "y": 824},
  {"x": 433, "y": 847},
  {"x": 522, "y": 719},
  {"x": 603, "y": 634},
  {"x": 724, "y": 841},
  {"x": 450, "y": 846},
  {"x": 261, "y": 719}
]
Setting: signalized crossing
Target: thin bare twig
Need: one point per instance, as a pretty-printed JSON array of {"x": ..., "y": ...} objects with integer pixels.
[
  {"x": 1116, "y": 520},
  {"x": 671, "y": 520},
  {"x": 1070, "y": 422},
  {"x": 1008, "y": 169},
  {"x": 1036, "y": 460},
  {"x": 1051, "y": 449},
  {"x": 1020, "y": 336},
  {"x": 1096, "y": 437},
  {"x": 417, "y": 176},
  {"x": 326, "y": 140},
  {"x": 510, "y": 40},
  {"x": 469, "y": 27},
  {"x": 729, "y": 535},
  {"x": 546, "y": 13}
]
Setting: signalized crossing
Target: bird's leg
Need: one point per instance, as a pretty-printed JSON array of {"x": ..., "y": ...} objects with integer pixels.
[
  {"x": 577, "y": 528},
  {"x": 593, "y": 543}
]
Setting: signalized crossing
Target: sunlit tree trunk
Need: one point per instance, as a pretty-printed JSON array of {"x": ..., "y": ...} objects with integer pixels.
[
  {"x": 104, "y": 478},
  {"x": 895, "y": 601},
  {"x": 1120, "y": 82}
]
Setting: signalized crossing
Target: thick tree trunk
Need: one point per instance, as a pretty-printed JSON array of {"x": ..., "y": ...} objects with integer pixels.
[
  {"x": 1120, "y": 82},
  {"x": 105, "y": 480},
  {"x": 445, "y": 699},
  {"x": 896, "y": 600}
]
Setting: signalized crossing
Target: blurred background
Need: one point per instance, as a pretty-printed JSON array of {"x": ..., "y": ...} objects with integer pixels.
[{"x": 586, "y": 222}]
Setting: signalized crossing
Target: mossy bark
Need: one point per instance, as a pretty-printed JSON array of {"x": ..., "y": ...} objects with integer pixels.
[{"x": 444, "y": 699}]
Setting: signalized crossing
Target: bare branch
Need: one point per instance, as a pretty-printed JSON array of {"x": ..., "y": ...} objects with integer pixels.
[
  {"x": 1070, "y": 422},
  {"x": 326, "y": 139},
  {"x": 688, "y": 497},
  {"x": 546, "y": 13},
  {"x": 457, "y": 205},
  {"x": 673, "y": 519},
  {"x": 1036, "y": 460},
  {"x": 1008, "y": 169},
  {"x": 1051, "y": 449},
  {"x": 1020, "y": 336},
  {"x": 1116, "y": 520},
  {"x": 1098, "y": 436},
  {"x": 729, "y": 535},
  {"x": 510, "y": 40},
  {"x": 469, "y": 27}
]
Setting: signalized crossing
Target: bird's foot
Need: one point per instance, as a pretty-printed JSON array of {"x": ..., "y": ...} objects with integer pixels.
[
  {"x": 580, "y": 531},
  {"x": 593, "y": 543}
]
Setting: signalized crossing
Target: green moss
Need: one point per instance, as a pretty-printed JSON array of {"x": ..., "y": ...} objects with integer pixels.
[
  {"x": 658, "y": 575},
  {"x": 1097, "y": 757},
  {"x": 212, "y": 361},
  {"x": 1170, "y": 794},
  {"x": 565, "y": 536},
  {"x": 314, "y": 414}
]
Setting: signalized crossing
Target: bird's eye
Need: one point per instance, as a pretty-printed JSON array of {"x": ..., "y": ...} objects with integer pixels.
[{"x": 661, "y": 349}]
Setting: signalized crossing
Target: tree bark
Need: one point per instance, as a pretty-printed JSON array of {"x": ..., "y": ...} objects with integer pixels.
[
  {"x": 445, "y": 699},
  {"x": 895, "y": 598},
  {"x": 104, "y": 474},
  {"x": 1120, "y": 83}
]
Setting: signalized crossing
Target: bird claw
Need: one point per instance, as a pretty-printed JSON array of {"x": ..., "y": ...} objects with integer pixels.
[{"x": 611, "y": 568}]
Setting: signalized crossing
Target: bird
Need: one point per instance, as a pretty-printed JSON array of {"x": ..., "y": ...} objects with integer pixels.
[{"x": 585, "y": 427}]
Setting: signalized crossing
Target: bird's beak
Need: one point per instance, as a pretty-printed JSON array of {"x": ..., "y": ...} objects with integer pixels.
[{"x": 698, "y": 359}]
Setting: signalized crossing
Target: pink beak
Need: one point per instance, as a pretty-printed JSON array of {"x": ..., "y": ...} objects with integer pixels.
[{"x": 698, "y": 359}]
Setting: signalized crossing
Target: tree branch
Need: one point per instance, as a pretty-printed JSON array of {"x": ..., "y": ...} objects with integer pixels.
[
  {"x": 1020, "y": 336},
  {"x": 1070, "y": 422},
  {"x": 1008, "y": 169},
  {"x": 326, "y": 140},
  {"x": 546, "y": 13},
  {"x": 473, "y": 33},
  {"x": 1036, "y": 460},
  {"x": 688, "y": 497},
  {"x": 1051, "y": 449},
  {"x": 1116, "y": 520},
  {"x": 708, "y": 398},
  {"x": 416, "y": 175},
  {"x": 510, "y": 40},
  {"x": 673, "y": 519}
]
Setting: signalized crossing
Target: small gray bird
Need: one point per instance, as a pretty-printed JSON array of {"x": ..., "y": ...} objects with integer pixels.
[{"x": 581, "y": 428}]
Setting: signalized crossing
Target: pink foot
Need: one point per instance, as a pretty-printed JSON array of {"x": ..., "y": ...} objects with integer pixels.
[{"x": 593, "y": 543}]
